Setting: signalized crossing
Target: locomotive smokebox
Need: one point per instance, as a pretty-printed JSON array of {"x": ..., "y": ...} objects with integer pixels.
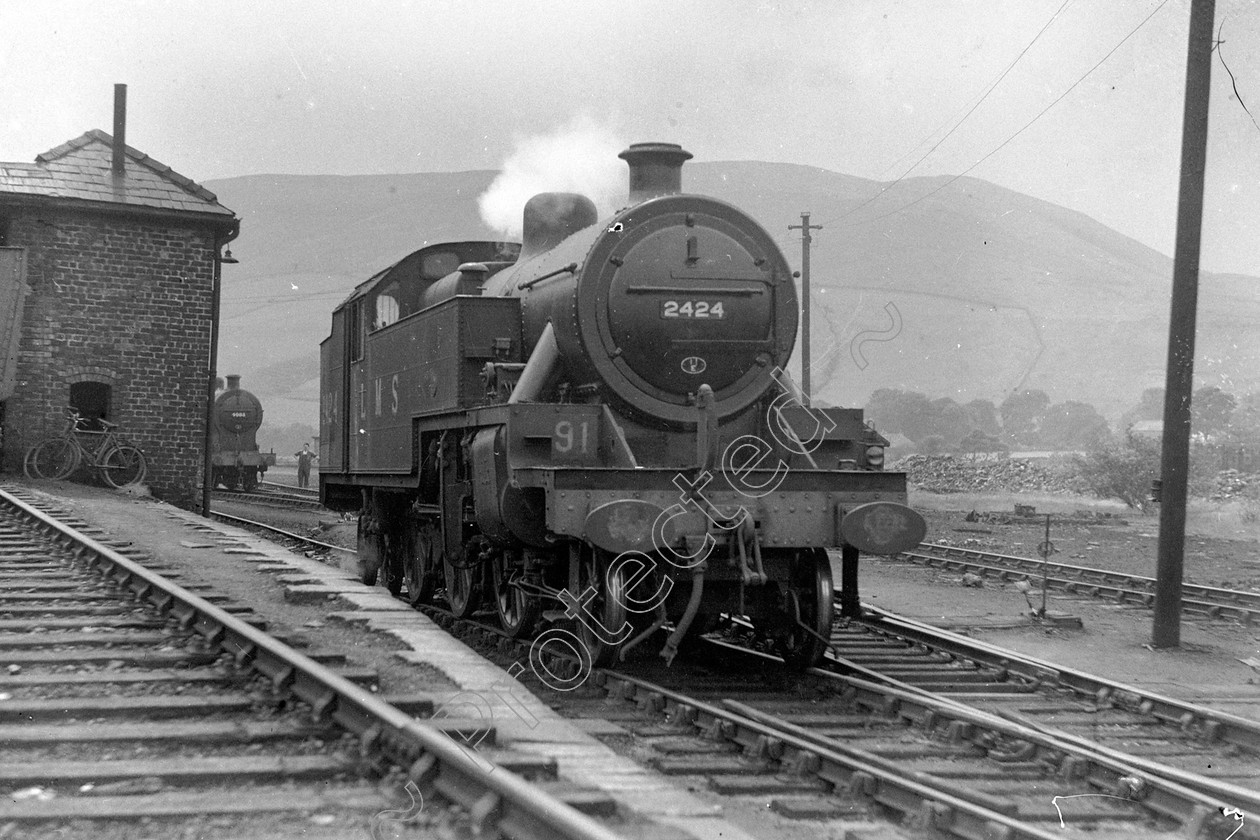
[
  {"x": 550, "y": 218},
  {"x": 655, "y": 169}
]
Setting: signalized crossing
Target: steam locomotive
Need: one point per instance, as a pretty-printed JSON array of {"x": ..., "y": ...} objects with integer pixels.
[
  {"x": 595, "y": 427},
  {"x": 234, "y": 456}
]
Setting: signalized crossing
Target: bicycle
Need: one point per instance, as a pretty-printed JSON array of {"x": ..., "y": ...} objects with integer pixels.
[{"x": 119, "y": 463}]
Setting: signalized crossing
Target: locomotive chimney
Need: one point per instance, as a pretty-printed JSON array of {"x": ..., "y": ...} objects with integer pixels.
[
  {"x": 550, "y": 218},
  {"x": 120, "y": 130},
  {"x": 233, "y": 381},
  {"x": 655, "y": 169}
]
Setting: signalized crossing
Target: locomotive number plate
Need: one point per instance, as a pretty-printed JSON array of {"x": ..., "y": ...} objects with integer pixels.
[
  {"x": 572, "y": 439},
  {"x": 692, "y": 309}
]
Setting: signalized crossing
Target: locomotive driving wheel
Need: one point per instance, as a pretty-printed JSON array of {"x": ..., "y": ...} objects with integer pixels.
[
  {"x": 421, "y": 564},
  {"x": 807, "y": 604},
  {"x": 370, "y": 549},
  {"x": 463, "y": 592},
  {"x": 395, "y": 564},
  {"x": 518, "y": 610},
  {"x": 608, "y": 607}
]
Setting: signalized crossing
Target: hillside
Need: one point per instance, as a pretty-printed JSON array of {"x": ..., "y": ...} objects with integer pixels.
[{"x": 993, "y": 290}]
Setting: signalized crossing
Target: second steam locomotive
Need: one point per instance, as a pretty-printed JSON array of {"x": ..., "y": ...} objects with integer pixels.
[
  {"x": 236, "y": 417},
  {"x": 595, "y": 425}
]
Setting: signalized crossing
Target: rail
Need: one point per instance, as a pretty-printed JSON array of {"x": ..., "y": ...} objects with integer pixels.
[
  {"x": 1209, "y": 601},
  {"x": 499, "y": 801}
]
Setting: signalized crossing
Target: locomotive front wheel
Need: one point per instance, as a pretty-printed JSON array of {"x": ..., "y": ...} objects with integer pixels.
[
  {"x": 395, "y": 566},
  {"x": 608, "y": 607},
  {"x": 810, "y": 599},
  {"x": 518, "y": 610},
  {"x": 421, "y": 565}
]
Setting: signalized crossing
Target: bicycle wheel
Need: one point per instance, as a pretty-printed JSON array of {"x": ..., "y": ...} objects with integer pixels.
[
  {"x": 123, "y": 466},
  {"x": 53, "y": 458}
]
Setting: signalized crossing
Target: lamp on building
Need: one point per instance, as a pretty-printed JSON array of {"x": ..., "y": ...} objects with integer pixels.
[{"x": 207, "y": 465}]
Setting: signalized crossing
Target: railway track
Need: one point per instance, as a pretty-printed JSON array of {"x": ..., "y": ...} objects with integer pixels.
[
  {"x": 831, "y": 745},
  {"x": 273, "y": 495},
  {"x": 128, "y": 699},
  {"x": 1207, "y": 601},
  {"x": 1193, "y": 745},
  {"x": 287, "y": 539},
  {"x": 934, "y": 732},
  {"x": 305, "y": 492}
]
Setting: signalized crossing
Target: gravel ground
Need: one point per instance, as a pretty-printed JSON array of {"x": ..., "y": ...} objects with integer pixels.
[
  {"x": 1114, "y": 641},
  {"x": 1220, "y": 550}
]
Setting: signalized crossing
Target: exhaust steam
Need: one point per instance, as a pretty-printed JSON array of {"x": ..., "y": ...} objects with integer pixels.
[{"x": 580, "y": 156}]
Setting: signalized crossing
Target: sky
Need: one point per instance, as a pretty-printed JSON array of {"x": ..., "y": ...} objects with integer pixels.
[{"x": 1078, "y": 102}]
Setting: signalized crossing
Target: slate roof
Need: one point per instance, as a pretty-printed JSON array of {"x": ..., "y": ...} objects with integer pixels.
[{"x": 82, "y": 170}]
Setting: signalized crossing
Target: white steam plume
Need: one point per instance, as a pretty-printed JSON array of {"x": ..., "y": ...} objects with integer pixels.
[{"x": 580, "y": 156}]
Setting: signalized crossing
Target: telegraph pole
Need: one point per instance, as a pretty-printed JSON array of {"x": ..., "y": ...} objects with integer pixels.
[
  {"x": 805, "y": 227},
  {"x": 1185, "y": 292}
]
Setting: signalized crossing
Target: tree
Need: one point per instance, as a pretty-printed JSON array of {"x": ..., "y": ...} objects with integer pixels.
[
  {"x": 883, "y": 410},
  {"x": 932, "y": 445},
  {"x": 907, "y": 412},
  {"x": 1073, "y": 424},
  {"x": 977, "y": 441},
  {"x": 983, "y": 415},
  {"x": 1149, "y": 407},
  {"x": 1122, "y": 471},
  {"x": 950, "y": 421},
  {"x": 1021, "y": 416},
  {"x": 1210, "y": 410},
  {"x": 1244, "y": 423}
]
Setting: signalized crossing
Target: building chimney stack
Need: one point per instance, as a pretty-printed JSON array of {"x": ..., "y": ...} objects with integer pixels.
[{"x": 120, "y": 130}]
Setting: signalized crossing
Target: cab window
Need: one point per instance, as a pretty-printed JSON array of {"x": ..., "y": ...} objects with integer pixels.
[{"x": 386, "y": 307}]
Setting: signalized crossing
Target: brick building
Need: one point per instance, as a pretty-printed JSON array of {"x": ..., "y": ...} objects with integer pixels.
[{"x": 109, "y": 272}]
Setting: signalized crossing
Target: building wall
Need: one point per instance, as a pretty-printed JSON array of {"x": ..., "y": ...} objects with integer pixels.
[{"x": 124, "y": 301}]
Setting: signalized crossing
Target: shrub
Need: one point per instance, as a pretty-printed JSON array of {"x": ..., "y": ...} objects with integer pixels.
[{"x": 1122, "y": 471}]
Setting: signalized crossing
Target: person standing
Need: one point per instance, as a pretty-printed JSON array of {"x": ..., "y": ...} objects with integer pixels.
[{"x": 304, "y": 465}]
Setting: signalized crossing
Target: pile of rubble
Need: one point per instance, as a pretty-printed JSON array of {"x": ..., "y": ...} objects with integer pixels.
[
  {"x": 950, "y": 474},
  {"x": 1232, "y": 484}
]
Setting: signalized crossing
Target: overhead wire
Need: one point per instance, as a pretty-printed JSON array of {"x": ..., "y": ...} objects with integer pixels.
[
  {"x": 1026, "y": 126},
  {"x": 984, "y": 96}
]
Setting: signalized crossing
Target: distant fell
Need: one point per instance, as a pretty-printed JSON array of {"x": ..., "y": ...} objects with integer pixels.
[{"x": 951, "y": 287}]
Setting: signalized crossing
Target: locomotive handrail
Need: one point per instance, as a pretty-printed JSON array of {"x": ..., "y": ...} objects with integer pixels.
[
  {"x": 731, "y": 274},
  {"x": 571, "y": 268}
]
